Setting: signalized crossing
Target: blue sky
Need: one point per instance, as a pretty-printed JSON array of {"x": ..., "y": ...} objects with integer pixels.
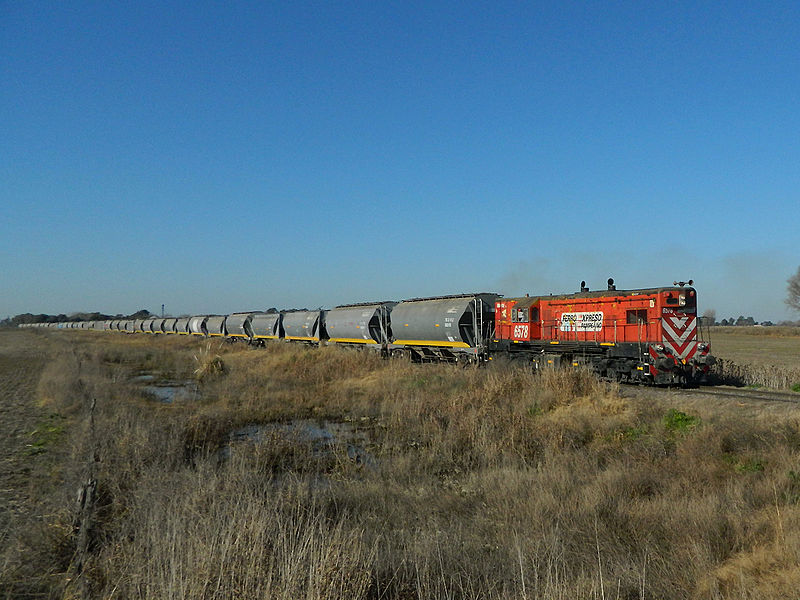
[{"x": 216, "y": 157}]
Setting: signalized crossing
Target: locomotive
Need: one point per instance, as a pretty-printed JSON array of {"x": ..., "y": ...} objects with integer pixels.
[{"x": 648, "y": 335}]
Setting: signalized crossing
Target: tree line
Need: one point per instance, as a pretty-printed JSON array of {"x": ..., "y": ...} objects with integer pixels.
[{"x": 28, "y": 318}]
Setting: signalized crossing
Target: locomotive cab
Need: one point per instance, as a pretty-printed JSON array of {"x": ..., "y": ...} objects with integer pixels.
[{"x": 518, "y": 319}]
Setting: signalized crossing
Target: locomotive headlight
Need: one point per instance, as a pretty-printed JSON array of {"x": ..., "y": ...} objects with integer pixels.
[
  {"x": 659, "y": 347},
  {"x": 702, "y": 346}
]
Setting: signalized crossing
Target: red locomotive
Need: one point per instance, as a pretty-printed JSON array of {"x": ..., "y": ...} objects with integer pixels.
[{"x": 647, "y": 335}]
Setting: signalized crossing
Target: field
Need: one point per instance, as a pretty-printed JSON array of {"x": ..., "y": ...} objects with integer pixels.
[
  {"x": 167, "y": 467},
  {"x": 759, "y": 356}
]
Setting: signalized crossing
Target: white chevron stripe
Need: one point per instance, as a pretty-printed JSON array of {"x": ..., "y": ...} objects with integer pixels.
[
  {"x": 680, "y": 321},
  {"x": 679, "y": 338},
  {"x": 682, "y": 355}
]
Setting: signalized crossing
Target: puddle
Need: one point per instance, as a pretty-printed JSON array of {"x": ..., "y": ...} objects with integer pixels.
[
  {"x": 166, "y": 391},
  {"x": 325, "y": 438},
  {"x": 171, "y": 391},
  {"x": 143, "y": 378}
]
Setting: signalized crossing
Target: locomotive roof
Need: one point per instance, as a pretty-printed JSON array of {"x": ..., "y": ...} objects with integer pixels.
[{"x": 531, "y": 300}]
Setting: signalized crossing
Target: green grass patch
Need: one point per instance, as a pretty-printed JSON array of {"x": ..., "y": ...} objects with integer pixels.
[
  {"x": 677, "y": 421},
  {"x": 749, "y": 465},
  {"x": 796, "y": 388},
  {"x": 745, "y": 465},
  {"x": 45, "y": 434},
  {"x": 631, "y": 434}
]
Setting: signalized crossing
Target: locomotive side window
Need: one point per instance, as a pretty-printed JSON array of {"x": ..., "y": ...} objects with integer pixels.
[
  {"x": 535, "y": 314},
  {"x": 638, "y": 316}
]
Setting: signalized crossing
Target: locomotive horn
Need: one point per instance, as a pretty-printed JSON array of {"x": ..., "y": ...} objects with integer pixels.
[
  {"x": 611, "y": 285},
  {"x": 583, "y": 287}
]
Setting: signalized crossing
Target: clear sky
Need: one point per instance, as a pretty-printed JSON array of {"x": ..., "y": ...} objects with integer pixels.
[{"x": 222, "y": 156}]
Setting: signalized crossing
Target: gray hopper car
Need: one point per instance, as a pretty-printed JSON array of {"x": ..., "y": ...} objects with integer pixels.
[
  {"x": 360, "y": 324},
  {"x": 267, "y": 326},
  {"x": 304, "y": 325},
  {"x": 197, "y": 325},
  {"x": 453, "y": 328},
  {"x": 215, "y": 326}
]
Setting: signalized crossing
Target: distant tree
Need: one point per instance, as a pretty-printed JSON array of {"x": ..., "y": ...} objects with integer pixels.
[
  {"x": 140, "y": 314},
  {"x": 710, "y": 317},
  {"x": 793, "y": 291},
  {"x": 724, "y": 322}
]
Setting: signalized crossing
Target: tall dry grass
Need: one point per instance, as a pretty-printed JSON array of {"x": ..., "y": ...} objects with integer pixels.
[
  {"x": 757, "y": 375},
  {"x": 485, "y": 483}
]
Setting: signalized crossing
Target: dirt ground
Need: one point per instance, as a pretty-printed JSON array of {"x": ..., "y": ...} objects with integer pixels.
[{"x": 23, "y": 423}]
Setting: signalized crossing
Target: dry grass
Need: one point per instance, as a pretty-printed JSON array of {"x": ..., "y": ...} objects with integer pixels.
[{"x": 485, "y": 483}]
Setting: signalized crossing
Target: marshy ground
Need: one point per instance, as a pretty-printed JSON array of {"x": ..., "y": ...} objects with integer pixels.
[{"x": 291, "y": 472}]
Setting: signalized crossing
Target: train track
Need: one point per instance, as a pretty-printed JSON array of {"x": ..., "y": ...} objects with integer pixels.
[{"x": 745, "y": 393}]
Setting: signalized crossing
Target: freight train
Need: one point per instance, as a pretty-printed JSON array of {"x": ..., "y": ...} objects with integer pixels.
[{"x": 649, "y": 335}]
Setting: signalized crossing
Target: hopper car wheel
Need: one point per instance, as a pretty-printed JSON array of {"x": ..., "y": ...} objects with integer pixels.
[{"x": 401, "y": 355}]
